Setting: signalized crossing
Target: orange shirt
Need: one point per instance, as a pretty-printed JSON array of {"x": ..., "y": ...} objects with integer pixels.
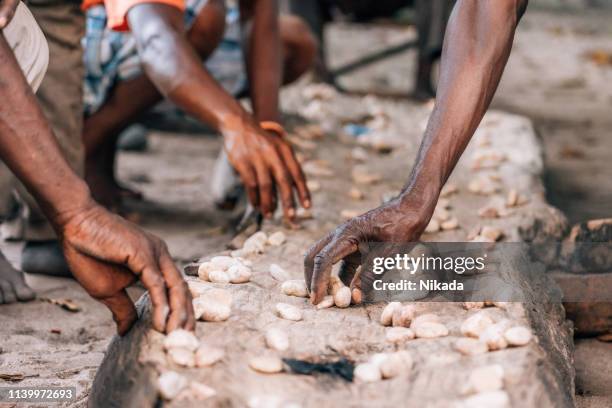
[{"x": 116, "y": 10}]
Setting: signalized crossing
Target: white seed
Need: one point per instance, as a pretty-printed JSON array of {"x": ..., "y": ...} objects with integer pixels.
[
  {"x": 216, "y": 306},
  {"x": 396, "y": 364},
  {"x": 279, "y": 273},
  {"x": 347, "y": 214},
  {"x": 218, "y": 276},
  {"x": 427, "y": 317},
  {"x": 356, "y": 194},
  {"x": 367, "y": 372},
  {"x": 266, "y": 364},
  {"x": 402, "y": 317},
  {"x": 488, "y": 212},
  {"x": 170, "y": 384},
  {"x": 326, "y": 303},
  {"x": 197, "y": 391},
  {"x": 341, "y": 293},
  {"x": 363, "y": 175},
  {"x": 433, "y": 226},
  {"x": 492, "y": 233},
  {"x": 289, "y": 312},
  {"x": 313, "y": 186},
  {"x": 181, "y": 339},
  {"x": 476, "y": 324},
  {"x": 206, "y": 355},
  {"x": 277, "y": 238},
  {"x": 359, "y": 154},
  {"x": 277, "y": 339},
  {"x": 430, "y": 330},
  {"x": 222, "y": 262},
  {"x": 399, "y": 334},
  {"x": 204, "y": 269},
  {"x": 473, "y": 305},
  {"x": 441, "y": 214},
  {"x": 450, "y": 224},
  {"x": 256, "y": 243},
  {"x": 239, "y": 273},
  {"x": 295, "y": 287},
  {"x": 304, "y": 214},
  {"x": 386, "y": 317},
  {"x": 182, "y": 356},
  {"x": 197, "y": 288},
  {"x": 518, "y": 336},
  {"x": 493, "y": 336},
  {"x": 487, "y": 378},
  {"x": 491, "y": 399},
  {"x": 470, "y": 346}
]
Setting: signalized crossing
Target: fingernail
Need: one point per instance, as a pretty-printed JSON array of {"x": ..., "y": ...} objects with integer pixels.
[
  {"x": 291, "y": 213},
  {"x": 307, "y": 203}
]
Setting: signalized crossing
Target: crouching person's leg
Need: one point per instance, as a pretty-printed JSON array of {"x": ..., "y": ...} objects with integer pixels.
[{"x": 27, "y": 42}]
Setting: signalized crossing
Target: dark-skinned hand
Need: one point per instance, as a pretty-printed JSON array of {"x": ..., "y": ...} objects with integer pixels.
[
  {"x": 392, "y": 222},
  {"x": 266, "y": 164},
  {"x": 107, "y": 254}
]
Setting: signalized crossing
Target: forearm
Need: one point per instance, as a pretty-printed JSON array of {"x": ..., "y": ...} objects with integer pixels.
[
  {"x": 477, "y": 44},
  {"x": 29, "y": 148},
  {"x": 177, "y": 71},
  {"x": 263, "y": 59}
]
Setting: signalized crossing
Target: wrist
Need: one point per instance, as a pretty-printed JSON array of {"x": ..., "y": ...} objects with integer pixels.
[
  {"x": 421, "y": 201},
  {"x": 77, "y": 201}
]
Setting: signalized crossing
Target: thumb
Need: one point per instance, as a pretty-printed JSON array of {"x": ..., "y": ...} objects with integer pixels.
[{"x": 123, "y": 310}]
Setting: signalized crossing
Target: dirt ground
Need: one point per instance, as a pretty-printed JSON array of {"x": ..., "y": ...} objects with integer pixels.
[{"x": 548, "y": 79}]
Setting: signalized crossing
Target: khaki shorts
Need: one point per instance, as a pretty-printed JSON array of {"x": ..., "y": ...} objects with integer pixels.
[{"x": 59, "y": 94}]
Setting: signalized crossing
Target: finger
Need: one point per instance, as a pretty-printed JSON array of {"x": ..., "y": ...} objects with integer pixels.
[
  {"x": 297, "y": 174},
  {"x": 310, "y": 256},
  {"x": 340, "y": 247},
  {"x": 153, "y": 281},
  {"x": 284, "y": 184},
  {"x": 264, "y": 184},
  {"x": 348, "y": 267},
  {"x": 123, "y": 310},
  {"x": 356, "y": 292},
  {"x": 9, "y": 293},
  {"x": 185, "y": 316},
  {"x": 7, "y": 11},
  {"x": 249, "y": 180}
]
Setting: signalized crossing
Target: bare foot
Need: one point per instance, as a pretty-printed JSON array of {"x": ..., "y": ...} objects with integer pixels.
[{"x": 12, "y": 284}]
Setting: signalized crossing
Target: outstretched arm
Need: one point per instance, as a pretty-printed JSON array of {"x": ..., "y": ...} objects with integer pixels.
[
  {"x": 477, "y": 44},
  {"x": 105, "y": 253},
  {"x": 264, "y": 161}
]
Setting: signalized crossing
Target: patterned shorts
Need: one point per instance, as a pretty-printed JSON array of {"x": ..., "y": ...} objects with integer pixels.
[{"x": 111, "y": 56}]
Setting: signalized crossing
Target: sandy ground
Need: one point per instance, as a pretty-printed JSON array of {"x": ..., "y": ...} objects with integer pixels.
[{"x": 547, "y": 79}]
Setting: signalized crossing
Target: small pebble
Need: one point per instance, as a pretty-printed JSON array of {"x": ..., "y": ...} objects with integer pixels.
[
  {"x": 181, "y": 356},
  {"x": 326, "y": 303},
  {"x": 170, "y": 384},
  {"x": 450, "y": 224},
  {"x": 518, "y": 336},
  {"x": 289, "y": 312},
  {"x": 279, "y": 273},
  {"x": 430, "y": 330},
  {"x": 218, "y": 276},
  {"x": 386, "y": 317},
  {"x": 399, "y": 334},
  {"x": 402, "y": 317},
  {"x": 206, "y": 355},
  {"x": 476, "y": 324},
  {"x": 277, "y": 238},
  {"x": 396, "y": 364},
  {"x": 181, "y": 338},
  {"x": 470, "y": 347},
  {"x": 239, "y": 273},
  {"x": 266, "y": 364},
  {"x": 277, "y": 339},
  {"x": 295, "y": 287},
  {"x": 367, "y": 372}
]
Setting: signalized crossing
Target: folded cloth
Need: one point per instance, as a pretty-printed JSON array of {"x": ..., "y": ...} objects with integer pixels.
[{"x": 29, "y": 45}]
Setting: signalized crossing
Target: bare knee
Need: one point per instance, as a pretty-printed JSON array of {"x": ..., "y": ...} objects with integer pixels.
[
  {"x": 208, "y": 29},
  {"x": 300, "y": 46}
]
